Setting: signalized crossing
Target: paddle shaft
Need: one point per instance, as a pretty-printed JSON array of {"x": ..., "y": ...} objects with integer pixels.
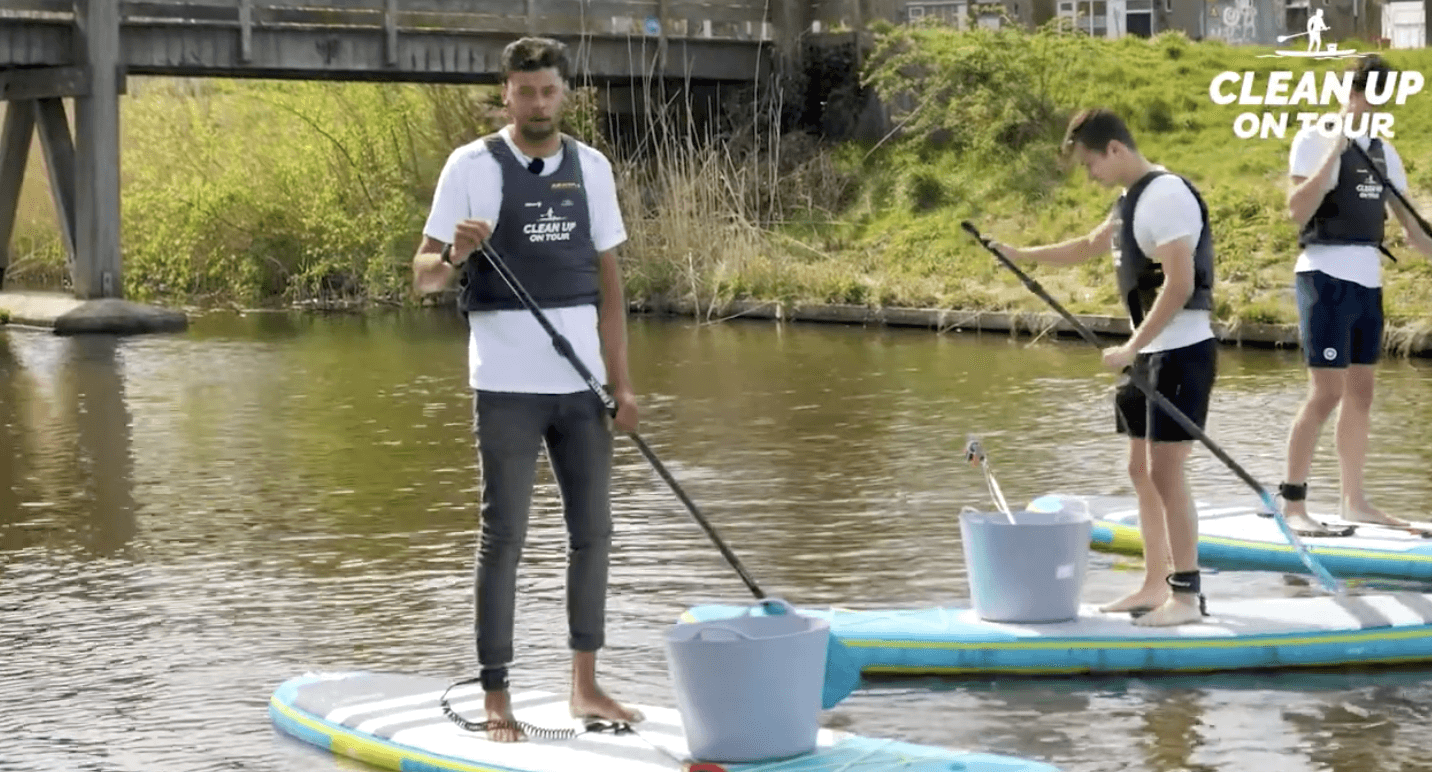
[
  {"x": 564, "y": 347},
  {"x": 1158, "y": 399}
]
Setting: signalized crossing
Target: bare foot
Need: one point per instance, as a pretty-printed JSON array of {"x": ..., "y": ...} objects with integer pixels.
[
  {"x": 1180, "y": 609},
  {"x": 501, "y": 724},
  {"x": 1363, "y": 512},
  {"x": 1296, "y": 516},
  {"x": 1142, "y": 599},
  {"x": 596, "y": 704}
]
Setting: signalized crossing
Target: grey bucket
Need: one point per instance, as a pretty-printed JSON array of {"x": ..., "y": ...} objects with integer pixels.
[
  {"x": 1031, "y": 570},
  {"x": 748, "y": 688}
]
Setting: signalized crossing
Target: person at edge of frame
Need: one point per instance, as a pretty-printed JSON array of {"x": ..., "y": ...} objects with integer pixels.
[
  {"x": 1162, "y": 243},
  {"x": 548, "y": 204},
  {"x": 1339, "y": 204}
]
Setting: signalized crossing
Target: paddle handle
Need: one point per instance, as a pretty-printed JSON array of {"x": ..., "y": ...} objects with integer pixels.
[
  {"x": 1326, "y": 579},
  {"x": 974, "y": 451}
]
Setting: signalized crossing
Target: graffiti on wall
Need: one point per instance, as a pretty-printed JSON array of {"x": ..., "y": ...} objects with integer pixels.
[{"x": 1241, "y": 22}]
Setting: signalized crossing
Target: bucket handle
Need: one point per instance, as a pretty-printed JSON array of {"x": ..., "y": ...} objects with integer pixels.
[{"x": 701, "y": 634}]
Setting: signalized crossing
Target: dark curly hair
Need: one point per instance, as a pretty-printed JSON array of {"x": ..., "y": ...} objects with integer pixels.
[
  {"x": 1364, "y": 67},
  {"x": 530, "y": 54}
]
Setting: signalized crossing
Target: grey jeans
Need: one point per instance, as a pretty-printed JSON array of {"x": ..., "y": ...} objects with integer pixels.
[{"x": 510, "y": 429}]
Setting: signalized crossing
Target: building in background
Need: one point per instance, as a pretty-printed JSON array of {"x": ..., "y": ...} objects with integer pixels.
[
  {"x": 1404, "y": 24},
  {"x": 963, "y": 13},
  {"x": 1114, "y": 18},
  {"x": 1260, "y": 22},
  {"x": 1241, "y": 22}
]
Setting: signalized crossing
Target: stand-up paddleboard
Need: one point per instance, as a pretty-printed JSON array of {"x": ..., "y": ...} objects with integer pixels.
[
  {"x": 395, "y": 721},
  {"x": 1273, "y": 633},
  {"x": 1240, "y": 536},
  {"x": 1337, "y": 54}
]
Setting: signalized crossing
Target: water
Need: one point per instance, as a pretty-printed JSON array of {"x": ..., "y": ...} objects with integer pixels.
[{"x": 186, "y": 521}]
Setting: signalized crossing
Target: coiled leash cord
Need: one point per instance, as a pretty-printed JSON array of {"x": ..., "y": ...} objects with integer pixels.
[{"x": 541, "y": 732}]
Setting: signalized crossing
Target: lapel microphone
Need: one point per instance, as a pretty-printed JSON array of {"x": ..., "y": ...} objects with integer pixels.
[{"x": 535, "y": 166}]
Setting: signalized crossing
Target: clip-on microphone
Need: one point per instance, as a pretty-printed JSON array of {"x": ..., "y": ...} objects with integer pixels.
[{"x": 535, "y": 166}]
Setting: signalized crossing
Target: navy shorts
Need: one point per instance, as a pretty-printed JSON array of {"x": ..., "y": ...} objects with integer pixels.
[
  {"x": 1184, "y": 376},
  {"x": 1340, "y": 322}
]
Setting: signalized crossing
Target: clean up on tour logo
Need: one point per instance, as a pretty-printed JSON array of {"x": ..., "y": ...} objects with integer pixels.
[
  {"x": 550, "y": 226},
  {"x": 1334, "y": 90}
]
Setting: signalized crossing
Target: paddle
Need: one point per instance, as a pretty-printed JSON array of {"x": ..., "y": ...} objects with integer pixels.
[
  {"x": 1286, "y": 38},
  {"x": 842, "y": 672},
  {"x": 1326, "y": 579}
]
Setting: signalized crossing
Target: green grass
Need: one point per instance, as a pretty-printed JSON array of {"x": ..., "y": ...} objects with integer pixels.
[
  {"x": 255, "y": 192},
  {"x": 975, "y": 150}
]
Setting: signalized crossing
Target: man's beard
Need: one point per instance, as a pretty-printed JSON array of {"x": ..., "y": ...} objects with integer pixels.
[{"x": 536, "y": 132}]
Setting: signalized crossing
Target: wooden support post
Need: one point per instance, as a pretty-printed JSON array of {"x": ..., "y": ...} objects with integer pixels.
[
  {"x": 663, "y": 11},
  {"x": 246, "y": 31},
  {"x": 97, "y": 244},
  {"x": 390, "y": 28},
  {"x": 14, "y": 150},
  {"x": 54, "y": 129}
]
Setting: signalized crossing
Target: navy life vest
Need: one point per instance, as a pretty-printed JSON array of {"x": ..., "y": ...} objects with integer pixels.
[{"x": 1140, "y": 277}]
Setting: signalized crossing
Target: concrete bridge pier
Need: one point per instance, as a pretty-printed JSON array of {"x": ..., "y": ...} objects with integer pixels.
[
  {"x": 84, "y": 182},
  {"x": 96, "y": 267}
]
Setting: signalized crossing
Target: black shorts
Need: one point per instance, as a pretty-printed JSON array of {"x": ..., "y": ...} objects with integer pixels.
[
  {"x": 1340, "y": 322},
  {"x": 1184, "y": 376}
]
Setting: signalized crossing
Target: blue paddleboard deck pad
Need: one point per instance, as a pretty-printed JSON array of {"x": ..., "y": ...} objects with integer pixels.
[
  {"x": 1257, "y": 634},
  {"x": 394, "y": 721},
  {"x": 1235, "y": 534}
]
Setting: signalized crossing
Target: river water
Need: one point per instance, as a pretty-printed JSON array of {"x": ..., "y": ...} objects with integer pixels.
[{"x": 186, "y": 521}]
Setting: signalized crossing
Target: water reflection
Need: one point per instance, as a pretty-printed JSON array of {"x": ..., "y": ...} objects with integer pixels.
[
  {"x": 187, "y": 520},
  {"x": 68, "y": 474},
  {"x": 12, "y": 436}
]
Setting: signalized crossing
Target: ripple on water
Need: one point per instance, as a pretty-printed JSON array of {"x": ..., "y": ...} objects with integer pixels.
[{"x": 186, "y": 521}]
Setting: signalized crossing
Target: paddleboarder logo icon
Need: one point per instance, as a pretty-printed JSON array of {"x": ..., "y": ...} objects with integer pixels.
[
  {"x": 1316, "y": 28},
  {"x": 1323, "y": 91}
]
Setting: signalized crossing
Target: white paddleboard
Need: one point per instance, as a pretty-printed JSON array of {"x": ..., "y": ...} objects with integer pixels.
[
  {"x": 1251, "y": 634},
  {"x": 394, "y": 721},
  {"x": 1235, "y": 535}
]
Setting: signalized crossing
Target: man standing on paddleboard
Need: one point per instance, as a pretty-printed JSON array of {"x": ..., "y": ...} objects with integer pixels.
[
  {"x": 548, "y": 204},
  {"x": 1162, "y": 243},
  {"x": 1316, "y": 28},
  {"x": 1339, "y": 201}
]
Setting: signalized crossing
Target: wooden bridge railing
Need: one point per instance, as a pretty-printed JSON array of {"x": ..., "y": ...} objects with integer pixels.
[
  {"x": 84, "y": 49},
  {"x": 256, "y": 23}
]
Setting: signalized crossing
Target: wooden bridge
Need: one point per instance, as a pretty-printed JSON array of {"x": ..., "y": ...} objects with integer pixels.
[{"x": 51, "y": 50}]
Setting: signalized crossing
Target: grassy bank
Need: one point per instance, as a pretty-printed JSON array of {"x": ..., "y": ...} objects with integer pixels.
[
  {"x": 979, "y": 141},
  {"x": 257, "y": 192}
]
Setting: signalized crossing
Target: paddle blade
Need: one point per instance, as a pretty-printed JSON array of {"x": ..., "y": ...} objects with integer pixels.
[{"x": 842, "y": 674}]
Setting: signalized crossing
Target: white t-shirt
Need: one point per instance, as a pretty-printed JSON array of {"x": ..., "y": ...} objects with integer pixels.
[
  {"x": 1361, "y": 263},
  {"x": 507, "y": 349},
  {"x": 1168, "y": 211}
]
